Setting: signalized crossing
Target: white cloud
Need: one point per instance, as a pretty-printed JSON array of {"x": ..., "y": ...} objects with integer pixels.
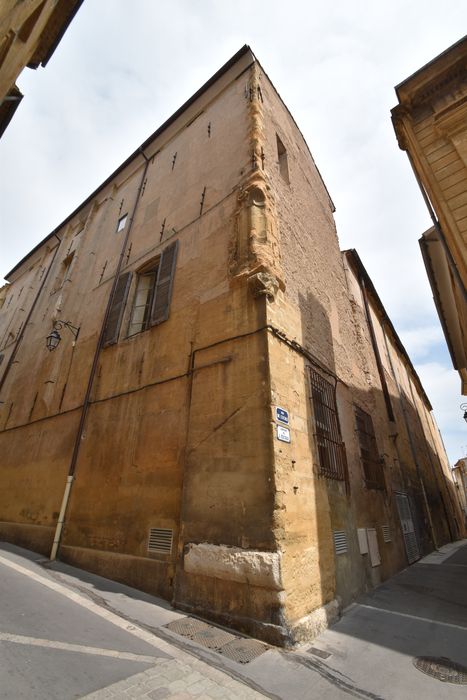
[
  {"x": 421, "y": 341},
  {"x": 442, "y": 386},
  {"x": 122, "y": 68}
]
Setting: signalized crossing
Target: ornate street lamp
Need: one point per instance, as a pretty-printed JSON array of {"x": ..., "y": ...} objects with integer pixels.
[{"x": 53, "y": 339}]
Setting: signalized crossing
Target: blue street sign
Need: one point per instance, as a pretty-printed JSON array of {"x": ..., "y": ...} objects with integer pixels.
[{"x": 282, "y": 415}]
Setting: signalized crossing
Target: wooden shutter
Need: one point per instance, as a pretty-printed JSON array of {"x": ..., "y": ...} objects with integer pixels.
[
  {"x": 114, "y": 319},
  {"x": 163, "y": 293}
]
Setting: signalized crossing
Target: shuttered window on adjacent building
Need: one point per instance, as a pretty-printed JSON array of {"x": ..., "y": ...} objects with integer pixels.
[
  {"x": 164, "y": 284},
  {"x": 114, "y": 320},
  {"x": 371, "y": 462},
  {"x": 331, "y": 449}
]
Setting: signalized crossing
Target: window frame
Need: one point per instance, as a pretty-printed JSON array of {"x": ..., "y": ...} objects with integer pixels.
[
  {"x": 161, "y": 293},
  {"x": 370, "y": 459},
  {"x": 151, "y": 268},
  {"x": 121, "y": 223},
  {"x": 332, "y": 458}
]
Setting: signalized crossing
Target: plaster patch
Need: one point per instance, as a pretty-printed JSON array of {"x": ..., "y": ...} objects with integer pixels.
[{"x": 253, "y": 567}]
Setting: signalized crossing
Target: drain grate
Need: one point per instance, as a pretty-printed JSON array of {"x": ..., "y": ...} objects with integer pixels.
[
  {"x": 319, "y": 652},
  {"x": 243, "y": 650},
  {"x": 213, "y": 638},
  {"x": 187, "y": 626},
  {"x": 441, "y": 668}
]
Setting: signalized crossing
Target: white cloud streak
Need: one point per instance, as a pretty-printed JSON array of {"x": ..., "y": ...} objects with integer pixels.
[{"x": 122, "y": 68}]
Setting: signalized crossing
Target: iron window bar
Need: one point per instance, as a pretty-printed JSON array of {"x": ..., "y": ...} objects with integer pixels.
[{"x": 331, "y": 449}]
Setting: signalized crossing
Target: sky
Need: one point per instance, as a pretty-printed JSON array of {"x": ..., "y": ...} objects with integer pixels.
[{"x": 123, "y": 68}]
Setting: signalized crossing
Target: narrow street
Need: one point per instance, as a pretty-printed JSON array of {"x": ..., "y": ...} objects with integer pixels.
[{"x": 65, "y": 633}]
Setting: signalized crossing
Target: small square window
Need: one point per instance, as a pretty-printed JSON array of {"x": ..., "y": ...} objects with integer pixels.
[
  {"x": 283, "y": 161},
  {"x": 122, "y": 222},
  {"x": 64, "y": 271}
]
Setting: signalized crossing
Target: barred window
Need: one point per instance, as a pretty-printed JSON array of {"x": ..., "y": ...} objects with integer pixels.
[
  {"x": 372, "y": 465},
  {"x": 331, "y": 449}
]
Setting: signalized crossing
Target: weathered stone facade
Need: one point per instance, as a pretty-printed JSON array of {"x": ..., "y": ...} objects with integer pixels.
[
  {"x": 162, "y": 413},
  {"x": 431, "y": 126},
  {"x": 30, "y": 31}
]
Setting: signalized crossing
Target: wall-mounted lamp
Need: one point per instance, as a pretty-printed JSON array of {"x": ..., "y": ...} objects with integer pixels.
[
  {"x": 464, "y": 408},
  {"x": 54, "y": 337}
]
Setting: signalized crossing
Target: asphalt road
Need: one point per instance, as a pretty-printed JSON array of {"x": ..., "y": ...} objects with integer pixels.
[
  {"x": 37, "y": 630},
  {"x": 66, "y": 633}
]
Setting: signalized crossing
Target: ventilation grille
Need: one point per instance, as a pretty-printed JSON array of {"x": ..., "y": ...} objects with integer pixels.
[
  {"x": 411, "y": 547},
  {"x": 160, "y": 540},
  {"x": 387, "y": 537},
  {"x": 340, "y": 541}
]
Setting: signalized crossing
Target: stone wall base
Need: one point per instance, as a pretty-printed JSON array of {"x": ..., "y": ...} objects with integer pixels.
[
  {"x": 307, "y": 628},
  {"x": 37, "y": 538},
  {"x": 148, "y": 575}
]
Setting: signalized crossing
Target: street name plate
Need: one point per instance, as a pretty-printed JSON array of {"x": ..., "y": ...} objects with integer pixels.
[
  {"x": 283, "y": 433},
  {"x": 282, "y": 415}
]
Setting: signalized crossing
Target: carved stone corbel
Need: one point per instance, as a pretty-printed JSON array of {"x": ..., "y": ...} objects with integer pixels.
[{"x": 263, "y": 284}]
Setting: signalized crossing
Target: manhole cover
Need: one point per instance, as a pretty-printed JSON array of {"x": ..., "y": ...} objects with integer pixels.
[
  {"x": 441, "y": 668},
  {"x": 243, "y": 650},
  {"x": 187, "y": 626},
  {"x": 319, "y": 652},
  {"x": 212, "y": 638}
]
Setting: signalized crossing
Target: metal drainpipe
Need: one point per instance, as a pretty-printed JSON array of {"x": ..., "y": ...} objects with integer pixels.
[
  {"x": 86, "y": 402},
  {"x": 33, "y": 305}
]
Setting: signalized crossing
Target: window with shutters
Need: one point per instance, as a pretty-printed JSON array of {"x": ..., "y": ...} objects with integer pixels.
[
  {"x": 114, "y": 320},
  {"x": 152, "y": 296},
  {"x": 332, "y": 461},
  {"x": 371, "y": 462},
  {"x": 144, "y": 296}
]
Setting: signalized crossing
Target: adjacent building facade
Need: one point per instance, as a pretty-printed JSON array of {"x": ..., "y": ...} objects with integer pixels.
[
  {"x": 30, "y": 31},
  {"x": 431, "y": 126},
  {"x": 228, "y": 419},
  {"x": 459, "y": 471}
]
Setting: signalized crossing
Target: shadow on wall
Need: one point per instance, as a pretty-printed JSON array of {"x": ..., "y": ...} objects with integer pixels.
[{"x": 343, "y": 500}]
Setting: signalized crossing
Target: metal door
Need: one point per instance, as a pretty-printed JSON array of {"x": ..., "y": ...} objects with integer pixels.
[{"x": 408, "y": 529}]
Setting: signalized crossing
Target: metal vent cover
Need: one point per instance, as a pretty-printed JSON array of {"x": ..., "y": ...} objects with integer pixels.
[
  {"x": 239, "y": 649},
  {"x": 387, "y": 537},
  {"x": 340, "y": 541},
  {"x": 411, "y": 546},
  {"x": 213, "y": 638},
  {"x": 243, "y": 650},
  {"x": 441, "y": 668},
  {"x": 160, "y": 540},
  {"x": 187, "y": 626},
  {"x": 319, "y": 652}
]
